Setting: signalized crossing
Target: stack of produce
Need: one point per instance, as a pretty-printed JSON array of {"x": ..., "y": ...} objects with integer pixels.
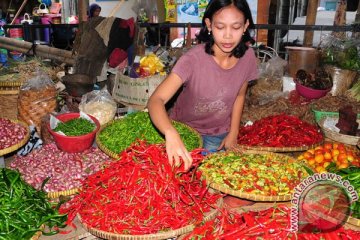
[
  {"x": 121, "y": 133},
  {"x": 25, "y": 210},
  {"x": 65, "y": 170},
  {"x": 11, "y": 133},
  {"x": 321, "y": 157},
  {"x": 271, "y": 223},
  {"x": 258, "y": 174},
  {"x": 142, "y": 193},
  {"x": 279, "y": 131},
  {"x": 352, "y": 174},
  {"x": 347, "y": 121}
]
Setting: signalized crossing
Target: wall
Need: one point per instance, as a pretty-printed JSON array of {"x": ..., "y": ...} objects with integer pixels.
[{"x": 125, "y": 11}]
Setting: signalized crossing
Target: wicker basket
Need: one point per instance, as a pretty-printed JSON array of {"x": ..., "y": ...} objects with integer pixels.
[
  {"x": 164, "y": 235},
  {"x": 9, "y": 93},
  {"x": 64, "y": 193},
  {"x": 34, "y": 104},
  {"x": 19, "y": 144},
  {"x": 353, "y": 224},
  {"x": 347, "y": 139},
  {"x": 278, "y": 149},
  {"x": 244, "y": 195},
  {"x": 114, "y": 155}
]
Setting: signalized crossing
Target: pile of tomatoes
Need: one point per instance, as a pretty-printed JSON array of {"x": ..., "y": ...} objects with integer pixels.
[{"x": 320, "y": 157}]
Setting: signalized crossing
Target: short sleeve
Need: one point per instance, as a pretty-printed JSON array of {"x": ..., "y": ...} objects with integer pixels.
[
  {"x": 253, "y": 72},
  {"x": 184, "y": 67}
]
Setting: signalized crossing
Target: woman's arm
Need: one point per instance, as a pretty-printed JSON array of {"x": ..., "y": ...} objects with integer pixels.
[
  {"x": 231, "y": 139},
  {"x": 175, "y": 147}
]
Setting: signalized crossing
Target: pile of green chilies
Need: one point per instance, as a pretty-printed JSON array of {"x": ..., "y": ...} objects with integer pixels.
[
  {"x": 75, "y": 127},
  {"x": 24, "y": 210},
  {"x": 123, "y": 132}
]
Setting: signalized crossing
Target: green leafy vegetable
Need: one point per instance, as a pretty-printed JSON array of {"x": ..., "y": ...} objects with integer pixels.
[{"x": 75, "y": 127}]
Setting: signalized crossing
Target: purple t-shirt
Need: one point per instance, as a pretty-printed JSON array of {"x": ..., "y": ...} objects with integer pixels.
[{"x": 210, "y": 91}]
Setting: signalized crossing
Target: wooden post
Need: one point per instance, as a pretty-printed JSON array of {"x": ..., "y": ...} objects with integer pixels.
[
  {"x": 82, "y": 11},
  {"x": 356, "y": 35},
  {"x": 310, "y": 20},
  {"x": 340, "y": 17},
  {"x": 263, "y": 18}
]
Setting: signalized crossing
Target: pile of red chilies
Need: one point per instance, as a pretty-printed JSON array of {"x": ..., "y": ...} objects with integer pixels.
[
  {"x": 142, "y": 194},
  {"x": 279, "y": 131},
  {"x": 270, "y": 224}
]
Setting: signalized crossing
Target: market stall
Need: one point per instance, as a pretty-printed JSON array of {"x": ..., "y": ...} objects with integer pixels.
[{"x": 81, "y": 158}]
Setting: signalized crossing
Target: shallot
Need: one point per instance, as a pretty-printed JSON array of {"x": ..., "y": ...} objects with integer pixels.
[
  {"x": 11, "y": 133},
  {"x": 65, "y": 170}
]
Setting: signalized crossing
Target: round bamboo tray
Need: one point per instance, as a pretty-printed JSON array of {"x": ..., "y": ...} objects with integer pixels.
[
  {"x": 38, "y": 234},
  {"x": 163, "y": 235},
  {"x": 63, "y": 193},
  {"x": 353, "y": 224},
  {"x": 248, "y": 196},
  {"x": 343, "y": 138},
  {"x": 115, "y": 155},
  {"x": 278, "y": 149},
  {"x": 19, "y": 144}
]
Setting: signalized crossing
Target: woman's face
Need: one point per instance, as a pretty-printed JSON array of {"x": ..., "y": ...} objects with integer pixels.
[
  {"x": 227, "y": 27},
  {"x": 96, "y": 12}
]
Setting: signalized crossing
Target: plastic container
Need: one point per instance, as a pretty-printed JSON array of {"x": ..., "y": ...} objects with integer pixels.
[
  {"x": 73, "y": 144},
  {"x": 310, "y": 93},
  {"x": 302, "y": 58},
  {"x": 320, "y": 114}
]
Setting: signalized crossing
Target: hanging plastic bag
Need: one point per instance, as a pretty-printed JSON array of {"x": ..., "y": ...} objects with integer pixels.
[{"x": 99, "y": 104}]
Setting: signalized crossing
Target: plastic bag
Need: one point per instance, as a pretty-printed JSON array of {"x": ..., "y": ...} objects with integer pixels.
[
  {"x": 268, "y": 86},
  {"x": 99, "y": 104},
  {"x": 37, "y": 97}
]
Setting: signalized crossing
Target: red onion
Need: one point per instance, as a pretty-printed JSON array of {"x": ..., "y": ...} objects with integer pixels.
[
  {"x": 11, "y": 133},
  {"x": 66, "y": 170}
]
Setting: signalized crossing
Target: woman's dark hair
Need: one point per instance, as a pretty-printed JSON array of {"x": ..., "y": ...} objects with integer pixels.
[
  {"x": 92, "y": 9},
  {"x": 211, "y": 9}
]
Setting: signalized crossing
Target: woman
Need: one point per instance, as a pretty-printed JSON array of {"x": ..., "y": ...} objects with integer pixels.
[
  {"x": 94, "y": 10},
  {"x": 214, "y": 76}
]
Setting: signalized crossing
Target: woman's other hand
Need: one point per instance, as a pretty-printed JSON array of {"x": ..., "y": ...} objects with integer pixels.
[
  {"x": 229, "y": 142},
  {"x": 176, "y": 150}
]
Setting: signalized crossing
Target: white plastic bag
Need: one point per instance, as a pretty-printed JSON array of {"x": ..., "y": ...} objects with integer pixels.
[{"x": 99, "y": 104}]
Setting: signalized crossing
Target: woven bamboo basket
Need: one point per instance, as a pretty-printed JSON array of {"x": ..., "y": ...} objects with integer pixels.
[
  {"x": 64, "y": 193},
  {"x": 164, "y": 235},
  {"x": 38, "y": 234},
  {"x": 9, "y": 93},
  {"x": 19, "y": 144},
  {"x": 353, "y": 224},
  {"x": 279, "y": 149},
  {"x": 343, "y": 138},
  {"x": 244, "y": 195},
  {"x": 115, "y": 155}
]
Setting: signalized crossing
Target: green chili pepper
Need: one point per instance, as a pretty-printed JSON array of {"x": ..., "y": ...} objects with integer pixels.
[
  {"x": 75, "y": 127},
  {"x": 23, "y": 209},
  {"x": 120, "y": 134}
]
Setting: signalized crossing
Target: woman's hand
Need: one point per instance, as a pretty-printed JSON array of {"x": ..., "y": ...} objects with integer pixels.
[
  {"x": 230, "y": 141},
  {"x": 176, "y": 150}
]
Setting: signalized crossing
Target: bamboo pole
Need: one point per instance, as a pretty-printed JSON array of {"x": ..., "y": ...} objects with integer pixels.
[
  {"x": 311, "y": 13},
  {"x": 40, "y": 50},
  {"x": 63, "y": 59},
  {"x": 19, "y": 11}
]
